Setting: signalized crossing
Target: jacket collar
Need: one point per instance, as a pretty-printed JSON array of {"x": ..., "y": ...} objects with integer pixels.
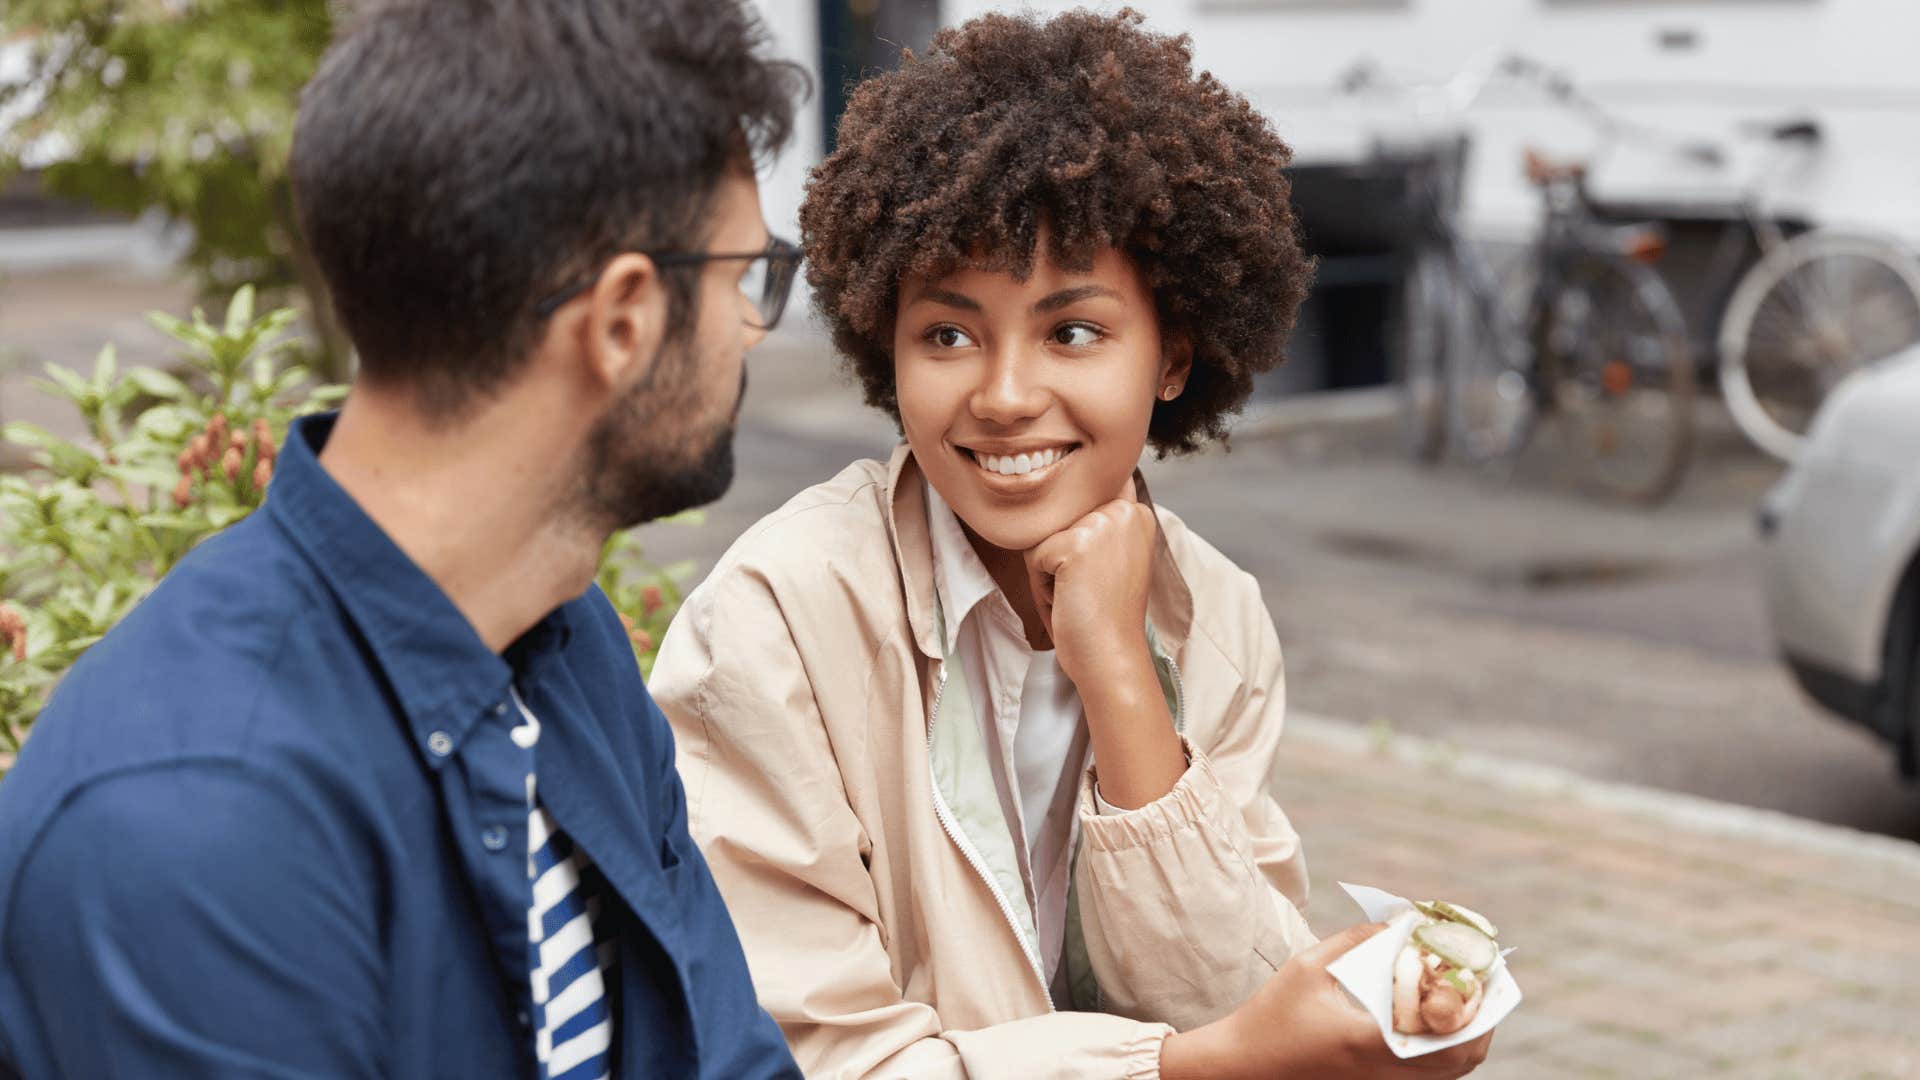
[{"x": 1169, "y": 601}]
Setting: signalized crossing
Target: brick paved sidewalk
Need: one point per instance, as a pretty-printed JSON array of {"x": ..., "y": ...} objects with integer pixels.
[{"x": 1648, "y": 948}]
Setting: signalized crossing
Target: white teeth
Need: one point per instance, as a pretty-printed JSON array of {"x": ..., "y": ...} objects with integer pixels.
[{"x": 1021, "y": 464}]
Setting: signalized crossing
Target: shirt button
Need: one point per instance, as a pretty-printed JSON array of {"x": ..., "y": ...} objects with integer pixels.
[
  {"x": 499, "y": 708},
  {"x": 440, "y": 743},
  {"x": 525, "y": 1020},
  {"x": 494, "y": 837}
]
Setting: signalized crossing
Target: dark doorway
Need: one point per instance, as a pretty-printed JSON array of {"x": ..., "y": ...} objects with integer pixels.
[{"x": 859, "y": 38}]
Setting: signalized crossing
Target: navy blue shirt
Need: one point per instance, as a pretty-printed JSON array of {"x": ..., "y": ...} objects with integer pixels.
[{"x": 275, "y": 825}]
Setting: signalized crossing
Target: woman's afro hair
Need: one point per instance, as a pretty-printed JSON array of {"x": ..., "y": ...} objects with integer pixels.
[{"x": 1098, "y": 130}]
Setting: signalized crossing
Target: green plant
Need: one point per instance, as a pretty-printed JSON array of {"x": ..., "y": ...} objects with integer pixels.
[
  {"x": 165, "y": 463},
  {"x": 182, "y": 106},
  {"x": 646, "y": 596}
]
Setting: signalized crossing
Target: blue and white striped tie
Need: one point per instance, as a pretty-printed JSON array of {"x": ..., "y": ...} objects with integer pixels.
[{"x": 573, "y": 1020}]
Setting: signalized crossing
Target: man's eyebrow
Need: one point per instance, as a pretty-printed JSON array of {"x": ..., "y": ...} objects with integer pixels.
[
  {"x": 949, "y": 298},
  {"x": 1071, "y": 296}
]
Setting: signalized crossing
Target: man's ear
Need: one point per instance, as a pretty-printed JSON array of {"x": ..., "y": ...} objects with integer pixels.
[{"x": 626, "y": 319}]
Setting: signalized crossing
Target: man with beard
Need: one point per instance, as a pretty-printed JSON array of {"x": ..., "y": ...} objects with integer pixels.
[{"x": 370, "y": 786}]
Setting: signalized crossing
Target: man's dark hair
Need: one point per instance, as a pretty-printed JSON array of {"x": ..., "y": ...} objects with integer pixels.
[
  {"x": 455, "y": 161},
  {"x": 1098, "y": 130}
]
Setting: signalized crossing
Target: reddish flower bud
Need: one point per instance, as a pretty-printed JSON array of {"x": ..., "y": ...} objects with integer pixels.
[
  {"x": 642, "y": 641},
  {"x": 230, "y": 465},
  {"x": 650, "y": 599},
  {"x": 199, "y": 447},
  {"x": 238, "y": 441},
  {"x": 186, "y": 462},
  {"x": 217, "y": 428},
  {"x": 262, "y": 472},
  {"x": 183, "y": 493},
  {"x": 263, "y": 435},
  {"x": 626, "y": 620}
]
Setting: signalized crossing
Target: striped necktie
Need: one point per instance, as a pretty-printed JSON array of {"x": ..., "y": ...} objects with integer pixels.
[{"x": 569, "y": 954}]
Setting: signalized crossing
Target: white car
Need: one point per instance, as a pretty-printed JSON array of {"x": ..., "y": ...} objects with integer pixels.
[{"x": 1842, "y": 535}]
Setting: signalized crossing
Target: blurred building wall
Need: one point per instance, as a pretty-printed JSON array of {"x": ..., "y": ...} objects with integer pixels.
[{"x": 1691, "y": 67}]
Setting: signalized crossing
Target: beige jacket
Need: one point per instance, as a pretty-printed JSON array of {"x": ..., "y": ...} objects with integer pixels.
[{"x": 838, "y": 784}]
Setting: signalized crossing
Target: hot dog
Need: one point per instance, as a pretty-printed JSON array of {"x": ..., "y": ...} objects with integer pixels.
[{"x": 1440, "y": 976}]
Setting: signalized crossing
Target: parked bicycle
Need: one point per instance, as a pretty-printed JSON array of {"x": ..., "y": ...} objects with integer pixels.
[
  {"x": 1579, "y": 328},
  {"x": 1789, "y": 309},
  {"x": 1814, "y": 305}
]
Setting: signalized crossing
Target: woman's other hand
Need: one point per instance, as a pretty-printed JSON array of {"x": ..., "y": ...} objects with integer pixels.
[{"x": 1301, "y": 1022}]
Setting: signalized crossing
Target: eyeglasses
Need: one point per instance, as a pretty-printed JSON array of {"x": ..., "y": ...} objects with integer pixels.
[{"x": 768, "y": 280}]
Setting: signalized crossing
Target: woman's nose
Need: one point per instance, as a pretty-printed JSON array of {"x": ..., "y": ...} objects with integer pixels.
[{"x": 1010, "y": 389}]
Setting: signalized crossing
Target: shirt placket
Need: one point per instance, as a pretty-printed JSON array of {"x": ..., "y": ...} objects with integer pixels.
[{"x": 489, "y": 816}]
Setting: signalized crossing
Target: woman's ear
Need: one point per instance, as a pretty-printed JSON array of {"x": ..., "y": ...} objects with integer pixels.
[{"x": 1176, "y": 363}]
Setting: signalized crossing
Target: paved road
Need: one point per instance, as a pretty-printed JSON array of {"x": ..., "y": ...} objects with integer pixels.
[
  {"x": 1648, "y": 946},
  {"x": 1508, "y": 617}
]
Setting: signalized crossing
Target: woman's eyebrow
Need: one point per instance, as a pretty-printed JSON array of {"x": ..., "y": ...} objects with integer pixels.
[
  {"x": 949, "y": 298},
  {"x": 1064, "y": 297}
]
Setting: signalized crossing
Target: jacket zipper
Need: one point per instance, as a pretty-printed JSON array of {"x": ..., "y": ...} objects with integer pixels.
[{"x": 966, "y": 847}]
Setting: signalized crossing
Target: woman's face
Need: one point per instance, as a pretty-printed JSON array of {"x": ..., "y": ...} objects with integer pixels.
[{"x": 1027, "y": 402}]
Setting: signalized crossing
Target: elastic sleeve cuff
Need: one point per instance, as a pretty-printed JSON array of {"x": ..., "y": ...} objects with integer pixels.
[
  {"x": 1143, "y": 1052},
  {"x": 1196, "y": 799}
]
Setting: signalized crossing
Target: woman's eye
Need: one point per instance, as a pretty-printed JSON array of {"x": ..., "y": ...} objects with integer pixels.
[
  {"x": 949, "y": 337},
  {"x": 1076, "y": 334}
]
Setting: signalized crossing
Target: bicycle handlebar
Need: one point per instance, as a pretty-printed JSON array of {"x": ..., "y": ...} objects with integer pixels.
[{"x": 1464, "y": 88}]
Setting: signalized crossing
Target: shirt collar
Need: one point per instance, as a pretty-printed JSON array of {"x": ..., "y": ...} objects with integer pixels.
[
  {"x": 444, "y": 676},
  {"x": 960, "y": 579}
]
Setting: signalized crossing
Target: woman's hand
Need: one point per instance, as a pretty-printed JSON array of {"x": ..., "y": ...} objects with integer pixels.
[
  {"x": 1302, "y": 1023},
  {"x": 1090, "y": 583}
]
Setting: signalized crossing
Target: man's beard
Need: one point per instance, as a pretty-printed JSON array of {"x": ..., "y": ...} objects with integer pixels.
[{"x": 644, "y": 461}]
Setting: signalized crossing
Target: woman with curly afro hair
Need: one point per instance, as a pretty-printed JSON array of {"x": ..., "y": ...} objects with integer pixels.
[{"x": 976, "y": 739}]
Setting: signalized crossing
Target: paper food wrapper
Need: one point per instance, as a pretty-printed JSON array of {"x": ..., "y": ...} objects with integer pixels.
[{"x": 1367, "y": 973}]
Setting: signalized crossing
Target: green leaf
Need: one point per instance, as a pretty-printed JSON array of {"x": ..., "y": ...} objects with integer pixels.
[
  {"x": 240, "y": 311},
  {"x": 156, "y": 383},
  {"x": 695, "y": 516},
  {"x": 167, "y": 422},
  {"x": 102, "y": 604},
  {"x": 21, "y": 433},
  {"x": 222, "y": 516},
  {"x": 172, "y": 521},
  {"x": 66, "y": 383},
  {"x": 178, "y": 329},
  {"x": 147, "y": 476},
  {"x": 105, "y": 365}
]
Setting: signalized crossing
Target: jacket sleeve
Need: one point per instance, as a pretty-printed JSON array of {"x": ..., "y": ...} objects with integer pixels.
[
  {"x": 765, "y": 802},
  {"x": 1190, "y": 902}
]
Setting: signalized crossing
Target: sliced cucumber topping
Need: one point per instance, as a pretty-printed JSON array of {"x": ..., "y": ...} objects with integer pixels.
[
  {"x": 1456, "y": 913},
  {"x": 1458, "y": 944},
  {"x": 1462, "y": 980}
]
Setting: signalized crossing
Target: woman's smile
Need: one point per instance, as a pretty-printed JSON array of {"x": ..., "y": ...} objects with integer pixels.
[{"x": 1014, "y": 470}]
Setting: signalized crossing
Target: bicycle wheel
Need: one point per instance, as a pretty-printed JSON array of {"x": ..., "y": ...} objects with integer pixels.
[
  {"x": 1621, "y": 378},
  {"x": 1806, "y": 315},
  {"x": 1421, "y": 333},
  {"x": 1491, "y": 388}
]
